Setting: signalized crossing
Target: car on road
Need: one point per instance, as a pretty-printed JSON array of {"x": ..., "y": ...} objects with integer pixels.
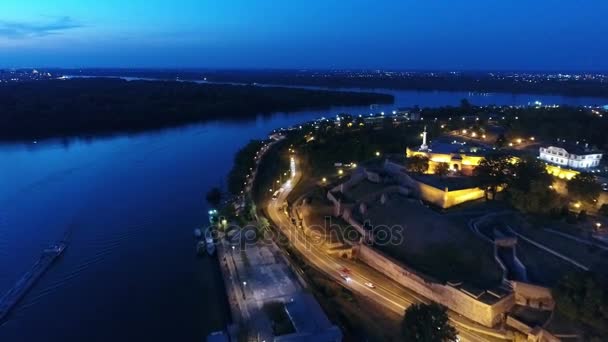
[
  {"x": 370, "y": 285},
  {"x": 346, "y": 277}
]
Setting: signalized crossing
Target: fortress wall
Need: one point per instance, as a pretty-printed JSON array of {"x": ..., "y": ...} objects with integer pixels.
[
  {"x": 347, "y": 216},
  {"x": 439, "y": 197},
  {"x": 453, "y": 298},
  {"x": 461, "y": 196},
  {"x": 533, "y": 295}
]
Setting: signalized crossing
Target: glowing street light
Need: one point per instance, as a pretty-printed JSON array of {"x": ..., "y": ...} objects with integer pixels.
[
  {"x": 377, "y": 153},
  {"x": 340, "y": 172},
  {"x": 598, "y": 225},
  {"x": 464, "y": 131},
  {"x": 324, "y": 180}
]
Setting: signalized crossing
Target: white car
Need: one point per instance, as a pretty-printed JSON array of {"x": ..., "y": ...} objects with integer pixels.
[
  {"x": 345, "y": 277},
  {"x": 370, "y": 285}
]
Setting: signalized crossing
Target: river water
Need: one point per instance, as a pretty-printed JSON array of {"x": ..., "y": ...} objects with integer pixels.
[{"x": 132, "y": 202}]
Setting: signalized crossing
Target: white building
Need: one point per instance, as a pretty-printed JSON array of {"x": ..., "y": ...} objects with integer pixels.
[{"x": 574, "y": 156}]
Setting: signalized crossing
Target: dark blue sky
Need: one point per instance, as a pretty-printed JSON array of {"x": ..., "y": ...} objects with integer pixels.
[{"x": 396, "y": 34}]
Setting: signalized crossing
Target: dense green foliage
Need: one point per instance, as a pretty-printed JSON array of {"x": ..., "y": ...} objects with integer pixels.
[
  {"x": 584, "y": 187},
  {"x": 529, "y": 188},
  {"x": 493, "y": 172},
  {"x": 427, "y": 323},
  {"x": 355, "y": 144},
  {"x": 582, "y": 297},
  {"x": 272, "y": 167},
  {"x": 89, "y": 106},
  {"x": 243, "y": 164},
  {"x": 417, "y": 164},
  {"x": 442, "y": 169},
  {"x": 549, "y": 123},
  {"x": 526, "y": 183}
]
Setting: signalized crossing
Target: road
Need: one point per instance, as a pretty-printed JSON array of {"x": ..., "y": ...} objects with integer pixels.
[{"x": 386, "y": 292}]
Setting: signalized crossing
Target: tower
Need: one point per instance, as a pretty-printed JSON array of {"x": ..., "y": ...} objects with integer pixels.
[{"x": 424, "y": 146}]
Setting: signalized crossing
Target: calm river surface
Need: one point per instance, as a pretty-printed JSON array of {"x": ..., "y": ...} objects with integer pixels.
[{"x": 132, "y": 202}]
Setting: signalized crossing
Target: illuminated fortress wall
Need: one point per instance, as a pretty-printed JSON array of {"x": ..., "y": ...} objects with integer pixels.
[
  {"x": 488, "y": 313},
  {"x": 443, "y": 198}
]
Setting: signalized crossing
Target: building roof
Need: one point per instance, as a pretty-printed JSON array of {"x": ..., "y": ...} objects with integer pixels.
[
  {"x": 309, "y": 320},
  {"x": 306, "y": 314},
  {"x": 577, "y": 149}
]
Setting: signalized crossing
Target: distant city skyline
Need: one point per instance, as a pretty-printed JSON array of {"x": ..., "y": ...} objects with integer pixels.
[{"x": 475, "y": 35}]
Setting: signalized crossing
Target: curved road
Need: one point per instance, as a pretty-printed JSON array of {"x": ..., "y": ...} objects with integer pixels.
[{"x": 386, "y": 292}]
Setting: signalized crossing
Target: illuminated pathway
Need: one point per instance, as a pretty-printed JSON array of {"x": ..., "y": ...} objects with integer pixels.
[{"x": 386, "y": 292}]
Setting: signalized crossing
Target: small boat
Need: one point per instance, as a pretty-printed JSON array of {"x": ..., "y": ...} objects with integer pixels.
[{"x": 198, "y": 233}]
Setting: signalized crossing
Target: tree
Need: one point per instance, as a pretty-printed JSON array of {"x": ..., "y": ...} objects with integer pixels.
[
  {"x": 538, "y": 199},
  {"x": 581, "y": 297},
  {"x": 501, "y": 141},
  {"x": 442, "y": 169},
  {"x": 417, "y": 164},
  {"x": 214, "y": 196},
  {"x": 583, "y": 187},
  {"x": 427, "y": 323},
  {"x": 529, "y": 171},
  {"x": 493, "y": 172},
  {"x": 529, "y": 188}
]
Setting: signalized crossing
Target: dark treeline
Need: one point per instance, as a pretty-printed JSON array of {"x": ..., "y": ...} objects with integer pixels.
[
  {"x": 90, "y": 106},
  {"x": 477, "y": 82}
]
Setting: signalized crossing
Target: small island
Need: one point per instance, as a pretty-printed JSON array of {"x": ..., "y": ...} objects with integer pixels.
[{"x": 57, "y": 108}]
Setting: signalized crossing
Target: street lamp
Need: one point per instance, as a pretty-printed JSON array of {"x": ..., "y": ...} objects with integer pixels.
[
  {"x": 377, "y": 153},
  {"x": 324, "y": 180},
  {"x": 598, "y": 225}
]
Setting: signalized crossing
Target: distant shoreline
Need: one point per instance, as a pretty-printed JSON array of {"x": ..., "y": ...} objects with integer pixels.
[{"x": 541, "y": 83}]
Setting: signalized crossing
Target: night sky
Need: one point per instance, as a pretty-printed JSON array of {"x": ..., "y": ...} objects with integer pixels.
[{"x": 389, "y": 34}]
